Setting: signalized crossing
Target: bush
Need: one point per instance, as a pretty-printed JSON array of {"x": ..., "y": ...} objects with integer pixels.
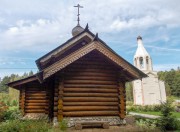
[
  {"x": 8, "y": 114},
  {"x": 138, "y": 108},
  {"x": 146, "y": 124},
  {"x": 12, "y": 114},
  {"x": 25, "y": 126},
  {"x": 167, "y": 121},
  {"x": 63, "y": 125},
  {"x": 14, "y": 103},
  {"x": 3, "y": 109},
  {"x": 6, "y": 99}
]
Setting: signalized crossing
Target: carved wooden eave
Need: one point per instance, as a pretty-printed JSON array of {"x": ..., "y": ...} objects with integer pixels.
[
  {"x": 16, "y": 84},
  {"x": 100, "y": 47},
  {"x": 64, "y": 47}
]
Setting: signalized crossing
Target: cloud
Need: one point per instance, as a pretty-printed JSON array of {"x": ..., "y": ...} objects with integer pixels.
[
  {"x": 32, "y": 36},
  {"x": 163, "y": 49},
  {"x": 134, "y": 23},
  {"x": 36, "y": 22},
  {"x": 37, "y": 27}
]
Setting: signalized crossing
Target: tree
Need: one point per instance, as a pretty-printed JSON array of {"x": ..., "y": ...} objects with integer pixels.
[
  {"x": 168, "y": 89},
  {"x": 129, "y": 91},
  {"x": 12, "y": 77},
  {"x": 3, "y": 86},
  {"x": 167, "y": 121},
  {"x": 31, "y": 73},
  {"x": 172, "y": 81}
]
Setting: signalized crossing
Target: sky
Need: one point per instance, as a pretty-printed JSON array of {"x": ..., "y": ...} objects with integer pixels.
[{"x": 30, "y": 29}]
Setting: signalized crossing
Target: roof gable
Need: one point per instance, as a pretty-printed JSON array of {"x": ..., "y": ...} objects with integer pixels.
[
  {"x": 94, "y": 45},
  {"x": 85, "y": 36}
]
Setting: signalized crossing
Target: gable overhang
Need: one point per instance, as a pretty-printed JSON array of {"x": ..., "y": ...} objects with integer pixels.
[
  {"x": 64, "y": 47},
  {"x": 100, "y": 47},
  {"x": 17, "y": 84}
]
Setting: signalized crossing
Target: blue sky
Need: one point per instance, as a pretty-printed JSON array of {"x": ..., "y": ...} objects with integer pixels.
[{"x": 30, "y": 29}]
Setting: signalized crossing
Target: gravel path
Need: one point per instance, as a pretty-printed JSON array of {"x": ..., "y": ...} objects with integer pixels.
[{"x": 144, "y": 115}]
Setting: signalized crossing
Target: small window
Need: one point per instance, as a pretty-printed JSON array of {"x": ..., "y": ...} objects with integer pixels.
[
  {"x": 141, "y": 62},
  {"x": 135, "y": 62},
  {"x": 147, "y": 60}
]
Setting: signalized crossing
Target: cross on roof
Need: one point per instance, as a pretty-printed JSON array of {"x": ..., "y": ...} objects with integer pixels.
[{"x": 78, "y": 6}]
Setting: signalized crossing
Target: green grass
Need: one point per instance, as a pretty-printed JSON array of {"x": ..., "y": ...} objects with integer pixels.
[
  {"x": 177, "y": 114},
  {"x": 13, "y": 107}
]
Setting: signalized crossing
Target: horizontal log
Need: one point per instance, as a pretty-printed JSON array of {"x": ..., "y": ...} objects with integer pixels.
[
  {"x": 55, "y": 98},
  {"x": 90, "y": 103},
  {"x": 56, "y": 90},
  {"x": 35, "y": 97},
  {"x": 102, "y": 90},
  {"x": 92, "y": 63},
  {"x": 90, "y": 82},
  {"x": 36, "y": 90},
  {"x": 35, "y": 94},
  {"x": 90, "y": 113},
  {"x": 76, "y": 66},
  {"x": 73, "y": 70},
  {"x": 90, "y": 94},
  {"x": 89, "y": 78},
  {"x": 55, "y": 108},
  {"x": 34, "y": 111},
  {"x": 34, "y": 107},
  {"x": 89, "y": 86},
  {"x": 35, "y": 86},
  {"x": 87, "y": 99},
  {"x": 90, "y": 74},
  {"x": 36, "y": 104},
  {"x": 36, "y": 101},
  {"x": 56, "y": 94},
  {"x": 89, "y": 108}
]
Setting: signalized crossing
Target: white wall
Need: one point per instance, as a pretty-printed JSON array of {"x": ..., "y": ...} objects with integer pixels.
[
  {"x": 137, "y": 91},
  {"x": 163, "y": 91},
  {"x": 149, "y": 91}
]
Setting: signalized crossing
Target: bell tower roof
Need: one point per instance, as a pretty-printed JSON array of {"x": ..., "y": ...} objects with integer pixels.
[
  {"x": 142, "y": 59},
  {"x": 141, "y": 51}
]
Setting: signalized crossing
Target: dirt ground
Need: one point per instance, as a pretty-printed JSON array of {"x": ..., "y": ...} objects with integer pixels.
[
  {"x": 129, "y": 127},
  {"x": 126, "y": 128}
]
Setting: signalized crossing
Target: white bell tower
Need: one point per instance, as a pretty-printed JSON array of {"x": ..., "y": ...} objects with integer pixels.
[
  {"x": 142, "y": 59},
  {"x": 149, "y": 90}
]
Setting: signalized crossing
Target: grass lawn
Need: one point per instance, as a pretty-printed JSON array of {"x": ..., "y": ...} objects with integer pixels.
[{"x": 177, "y": 114}]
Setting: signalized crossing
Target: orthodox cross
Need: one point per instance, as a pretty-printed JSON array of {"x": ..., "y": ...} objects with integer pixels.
[{"x": 78, "y": 6}]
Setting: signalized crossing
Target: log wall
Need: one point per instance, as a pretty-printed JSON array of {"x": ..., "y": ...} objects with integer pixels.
[
  {"x": 22, "y": 100},
  {"x": 90, "y": 88},
  {"x": 36, "y": 99}
]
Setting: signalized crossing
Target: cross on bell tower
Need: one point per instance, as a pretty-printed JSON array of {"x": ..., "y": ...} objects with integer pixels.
[{"x": 78, "y": 6}]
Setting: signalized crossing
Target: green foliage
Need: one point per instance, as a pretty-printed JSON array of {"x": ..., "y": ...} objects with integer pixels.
[
  {"x": 8, "y": 114},
  {"x": 8, "y": 100},
  {"x": 12, "y": 77},
  {"x": 63, "y": 125},
  {"x": 172, "y": 81},
  {"x": 129, "y": 91},
  {"x": 25, "y": 126},
  {"x": 167, "y": 121},
  {"x": 139, "y": 108},
  {"x": 146, "y": 124},
  {"x": 12, "y": 114},
  {"x": 3, "y": 87},
  {"x": 3, "y": 109}
]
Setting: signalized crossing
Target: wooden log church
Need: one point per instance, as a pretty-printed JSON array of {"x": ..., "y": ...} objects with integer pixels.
[{"x": 81, "y": 80}]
